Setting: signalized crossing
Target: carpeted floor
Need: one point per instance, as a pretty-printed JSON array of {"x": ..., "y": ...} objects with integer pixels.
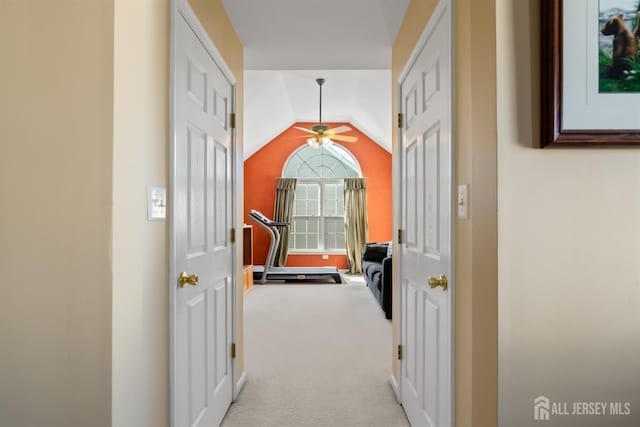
[{"x": 316, "y": 355}]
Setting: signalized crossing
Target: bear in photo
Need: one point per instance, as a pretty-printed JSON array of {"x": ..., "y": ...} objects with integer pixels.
[{"x": 625, "y": 46}]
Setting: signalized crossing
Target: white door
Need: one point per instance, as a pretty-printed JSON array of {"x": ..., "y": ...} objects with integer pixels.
[
  {"x": 426, "y": 150},
  {"x": 202, "y": 380}
]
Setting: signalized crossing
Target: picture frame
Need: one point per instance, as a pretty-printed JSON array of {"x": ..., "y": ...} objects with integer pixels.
[{"x": 554, "y": 131}]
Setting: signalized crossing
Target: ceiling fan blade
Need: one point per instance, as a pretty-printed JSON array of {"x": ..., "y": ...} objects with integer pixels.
[
  {"x": 339, "y": 129},
  {"x": 343, "y": 138},
  {"x": 304, "y": 129}
]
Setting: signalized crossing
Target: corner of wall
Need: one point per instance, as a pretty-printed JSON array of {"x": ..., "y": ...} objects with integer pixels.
[{"x": 476, "y": 164}]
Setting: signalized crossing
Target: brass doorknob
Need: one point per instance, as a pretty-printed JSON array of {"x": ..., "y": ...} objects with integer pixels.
[
  {"x": 442, "y": 282},
  {"x": 185, "y": 279}
]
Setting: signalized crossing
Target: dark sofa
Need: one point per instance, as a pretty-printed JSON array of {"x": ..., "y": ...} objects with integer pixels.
[{"x": 376, "y": 265}]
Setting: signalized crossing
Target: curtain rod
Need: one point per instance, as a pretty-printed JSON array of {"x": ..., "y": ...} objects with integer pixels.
[{"x": 360, "y": 177}]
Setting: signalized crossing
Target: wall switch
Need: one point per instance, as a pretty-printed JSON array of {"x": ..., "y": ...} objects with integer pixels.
[
  {"x": 325, "y": 256},
  {"x": 156, "y": 203},
  {"x": 462, "y": 202}
]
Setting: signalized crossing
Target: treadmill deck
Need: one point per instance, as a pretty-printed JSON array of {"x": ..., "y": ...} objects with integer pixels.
[{"x": 298, "y": 273}]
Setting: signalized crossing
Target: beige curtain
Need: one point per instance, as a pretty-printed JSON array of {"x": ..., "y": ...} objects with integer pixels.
[
  {"x": 355, "y": 221},
  {"x": 282, "y": 212}
]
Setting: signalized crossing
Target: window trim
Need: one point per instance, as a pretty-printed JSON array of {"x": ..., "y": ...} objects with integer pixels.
[
  {"x": 321, "y": 249},
  {"x": 321, "y": 181},
  {"x": 294, "y": 152}
]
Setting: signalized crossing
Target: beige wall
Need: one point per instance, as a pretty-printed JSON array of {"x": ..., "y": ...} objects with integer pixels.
[
  {"x": 213, "y": 17},
  {"x": 569, "y": 251},
  {"x": 55, "y": 223},
  {"x": 476, "y": 238},
  {"x": 140, "y": 248}
]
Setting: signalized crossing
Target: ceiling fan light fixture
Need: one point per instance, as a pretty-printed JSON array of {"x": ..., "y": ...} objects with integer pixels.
[{"x": 323, "y": 134}]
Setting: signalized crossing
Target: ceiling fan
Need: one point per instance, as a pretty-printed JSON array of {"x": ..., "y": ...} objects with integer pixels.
[{"x": 323, "y": 135}]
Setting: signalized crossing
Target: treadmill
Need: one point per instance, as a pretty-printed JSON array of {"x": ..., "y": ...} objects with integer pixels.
[{"x": 262, "y": 274}]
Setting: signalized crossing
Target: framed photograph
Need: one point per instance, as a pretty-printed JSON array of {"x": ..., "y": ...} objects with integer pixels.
[{"x": 590, "y": 70}]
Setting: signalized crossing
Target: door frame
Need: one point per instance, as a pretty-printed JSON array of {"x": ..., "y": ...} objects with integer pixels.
[
  {"x": 181, "y": 9},
  {"x": 448, "y": 7}
]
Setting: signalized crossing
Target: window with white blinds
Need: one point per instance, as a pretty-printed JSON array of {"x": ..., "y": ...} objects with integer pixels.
[{"x": 318, "y": 213}]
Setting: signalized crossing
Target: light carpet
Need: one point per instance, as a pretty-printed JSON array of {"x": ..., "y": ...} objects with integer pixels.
[{"x": 316, "y": 355}]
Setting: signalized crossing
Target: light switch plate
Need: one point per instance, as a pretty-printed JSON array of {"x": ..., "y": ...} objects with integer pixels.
[
  {"x": 462, "y": 202},
  {"x": 156, "y": 203}
]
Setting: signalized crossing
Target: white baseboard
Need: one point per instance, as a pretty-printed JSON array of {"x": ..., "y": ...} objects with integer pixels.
[
  {"x": 394, "y": 387},
  {"x": 240, "y": 385}
]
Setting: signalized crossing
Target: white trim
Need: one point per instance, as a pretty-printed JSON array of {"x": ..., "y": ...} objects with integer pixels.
[
  {"x": 321, "y": 216},
  {"x": 237, "y": 194},
  {"x": 397, "y": 196},
  {"x": 172, "y": 196},
  {"x": 182, "y": 7},
  {"x": 394, "y": 386},
  {"x": 239, "y": 386},
  {"x": 305, "y": 145},
  {"x": 454, "y": 206},
  {"x": 442, "y": 7}
]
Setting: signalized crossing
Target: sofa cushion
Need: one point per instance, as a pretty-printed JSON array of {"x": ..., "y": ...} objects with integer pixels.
[
  {"x": 373, "y": 271},
  {"x": 375, "y": 252}
]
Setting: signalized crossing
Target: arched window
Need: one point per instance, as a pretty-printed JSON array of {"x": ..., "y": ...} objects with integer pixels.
[{"x": 318, "y": 213}]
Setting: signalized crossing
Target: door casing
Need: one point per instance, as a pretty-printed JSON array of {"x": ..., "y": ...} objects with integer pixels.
[
  {"x": 181, "y": 8},
  {"x": 396, "y": 383}
]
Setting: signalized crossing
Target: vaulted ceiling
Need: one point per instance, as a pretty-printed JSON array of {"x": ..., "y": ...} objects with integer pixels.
[
  {"x": 290, "y": 43},
  {"x": 274, "y": 100}
]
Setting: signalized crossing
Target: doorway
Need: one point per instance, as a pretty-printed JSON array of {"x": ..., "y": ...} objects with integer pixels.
[
  {"x": 202, "y": 254},
  {"x": 426, "y": 282}
]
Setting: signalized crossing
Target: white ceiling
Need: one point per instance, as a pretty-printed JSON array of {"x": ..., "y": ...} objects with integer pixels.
[
  {"x": 347, "y": 42},
  {"x": 314, "y": 34},
  {"x": 274, "y": 100}
]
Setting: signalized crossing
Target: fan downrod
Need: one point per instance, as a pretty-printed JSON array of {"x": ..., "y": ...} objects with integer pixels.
[{"x": 320, "y": 83}]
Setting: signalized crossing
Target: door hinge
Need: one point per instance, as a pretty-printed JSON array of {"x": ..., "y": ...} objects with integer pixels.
[
  {"x": 400, "y": 120},
  {"x": 233, "y": 120},
  {"x": 233, "y": 235},
  {"x": 399, "y": 352},
  {"x": 233, "y": 350},
  {"x": 400, "y": 236}
]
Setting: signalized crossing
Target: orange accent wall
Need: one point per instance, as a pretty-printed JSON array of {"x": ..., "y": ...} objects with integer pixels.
[{"x": 263, "y": 169}]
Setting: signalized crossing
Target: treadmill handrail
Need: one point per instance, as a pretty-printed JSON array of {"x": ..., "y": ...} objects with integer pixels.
[{"x": 259, "y": 216}]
